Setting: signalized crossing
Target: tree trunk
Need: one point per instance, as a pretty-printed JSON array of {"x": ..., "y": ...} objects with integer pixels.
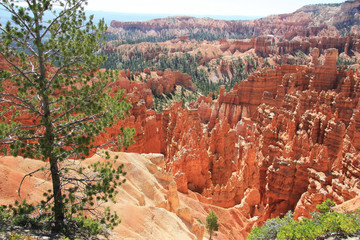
[
  {"x": 48, "y": 145},
  {"x": 58, "y": 201},
  {"x": 54, "y": 168}
]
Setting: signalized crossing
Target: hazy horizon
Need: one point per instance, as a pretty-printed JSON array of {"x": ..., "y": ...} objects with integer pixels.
[
  {"x": 100, "y": 9},
  {"x": 252, "y": 9},
  {"x": 119, "y": 16}
]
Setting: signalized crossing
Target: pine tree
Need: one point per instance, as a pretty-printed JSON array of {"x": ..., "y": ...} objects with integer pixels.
[
  {"x": 51, "y": 75},
  {"x": 212, "y": 224}
]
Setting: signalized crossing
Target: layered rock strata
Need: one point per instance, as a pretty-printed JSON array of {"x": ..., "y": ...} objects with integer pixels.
[
  {"x": 309, "y": 21},
  {"x": 284, "y": 139}
]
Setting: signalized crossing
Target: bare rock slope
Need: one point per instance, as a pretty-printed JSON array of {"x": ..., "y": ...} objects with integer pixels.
[{"x": 148, "y": 204}]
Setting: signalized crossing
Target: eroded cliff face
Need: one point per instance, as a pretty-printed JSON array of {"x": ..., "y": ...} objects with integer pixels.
[
  {"x": 309, "y": 21},
  {"x": 265, "y": 46},
  {"x": 148, "y": 204},
  {"x": 284, "y": 139}
]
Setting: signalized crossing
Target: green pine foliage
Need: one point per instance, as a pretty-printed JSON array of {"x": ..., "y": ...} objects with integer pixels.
[
  {"x": 346, "y": 61},
  {"x": 164, "y": 101},
  {"x": 323, "y": 224},
  {"x": 270, "y": 228},
  {"x": 137, "y": 36},
  {"x": 52, "y": 78},
  {"x": 185, "y": 62}
]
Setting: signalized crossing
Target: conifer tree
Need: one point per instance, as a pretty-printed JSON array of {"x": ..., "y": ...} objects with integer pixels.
[
  {"x": 212, "y": 224},
  {"x": 50, "y": 74}
]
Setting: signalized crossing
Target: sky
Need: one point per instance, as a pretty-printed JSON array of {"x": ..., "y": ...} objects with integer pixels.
[{"x": 203, "y": 7}]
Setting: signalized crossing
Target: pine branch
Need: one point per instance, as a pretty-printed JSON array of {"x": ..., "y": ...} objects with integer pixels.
[
  {"x": 12, "y": 11},
  {"x": 27, "y": 175},
  {"x": 22, "y": 73},
  {"x": 23, "y": 103}
]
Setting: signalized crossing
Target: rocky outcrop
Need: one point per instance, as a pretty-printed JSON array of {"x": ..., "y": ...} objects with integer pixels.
[
  {"x": 148, "y": 203},
  {"x": 349, "y": 15},
  {"x": 146, "y": 122},
  {"x": 290, "y": 134},
  {"x": 185, "y": 148},
  {"x": 152, "y": 83},
  {"x": 348, "y": 44},
  {"x": 261, "y": 45},
  {"x": 308, "y": 21},
  {"x": 284, "y": 139}
]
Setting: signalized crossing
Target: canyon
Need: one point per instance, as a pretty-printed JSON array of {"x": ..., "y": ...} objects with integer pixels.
[{"x": 285, "y": 138}]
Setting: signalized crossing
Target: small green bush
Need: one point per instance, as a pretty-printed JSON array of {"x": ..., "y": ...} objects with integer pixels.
[
  {"x": 212, "y": 224},
  {"x": 323, "y": 223},
  {"x": 24, "y": 215},
  {"x": 304, "y": 229},
  {"x": 15, "y": 236},
  {"x": 69, "y": 239},
  {"x": 18, "y": 215},
  {"x": 326, "y": 206},
  {"x": 270, "y": 228}
]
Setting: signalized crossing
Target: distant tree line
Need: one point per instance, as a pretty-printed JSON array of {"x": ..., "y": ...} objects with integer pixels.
[
  {"x": 138, "y": 36},
  {"x": 160, "y": 58}
]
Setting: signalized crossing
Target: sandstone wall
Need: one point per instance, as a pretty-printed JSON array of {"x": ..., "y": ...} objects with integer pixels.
[{"x": 284, "y": 139}]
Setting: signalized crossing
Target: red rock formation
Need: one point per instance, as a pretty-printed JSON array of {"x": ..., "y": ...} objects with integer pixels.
[
  {"x": 147, "y": 123},
  {"x": 261, "y": 45},
  {"x": 185, "y": 148},
  {"x": 289, "y": 133},
  {"x": 284, "y": 139},
  {"x": 309, "y": 21},
  {"x": 166, "y": 81}
]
